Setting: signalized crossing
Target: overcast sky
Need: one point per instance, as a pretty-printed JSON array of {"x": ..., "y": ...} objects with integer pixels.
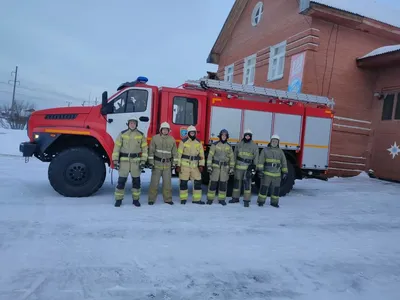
[{"x": 79, "y": 48}]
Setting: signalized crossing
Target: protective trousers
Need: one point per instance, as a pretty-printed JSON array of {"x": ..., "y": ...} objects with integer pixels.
[
  {"x": 218, "y": 176},
  {"x": 164, "y": 171},
  {"x": 186, "y": 174},
  {"x": 126, "y": 167},
  {"x": 237, "y": 185},
  {"x": 269, "y": 182}
]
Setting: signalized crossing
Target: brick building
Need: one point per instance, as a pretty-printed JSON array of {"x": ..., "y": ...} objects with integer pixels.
[{"x": 346, "y": 50}]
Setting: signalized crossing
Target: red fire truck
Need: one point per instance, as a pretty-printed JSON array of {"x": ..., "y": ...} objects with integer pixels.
[{"x": 78, "y": 141}]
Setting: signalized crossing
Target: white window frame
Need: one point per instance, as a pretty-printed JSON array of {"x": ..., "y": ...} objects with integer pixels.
[
  {"x": 249, "y": 70},
  {"x": 274, "y": 72},
  {"x": 228, "y": 75},
  {"x": 258, "y": 8}
]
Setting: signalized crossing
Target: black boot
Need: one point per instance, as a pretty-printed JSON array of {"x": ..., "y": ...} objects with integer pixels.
[
  {"x": 209, "y": 202},
  {"x": 234, "y": 200},
  {"x": 246, "y": 203},
  {"x": 199, "y": 202},
  {"x": 118, "y": 203},
  {"x": 275, "y": 205},
  {"x": 170, "y": 202},
  {"x": 136, "y": 203},
  {"x": 222, "y": 202},
  {"x": 151, "y": 203},
  {"x": 260, "y": 204},
  {"x": 183, "y": 202}
]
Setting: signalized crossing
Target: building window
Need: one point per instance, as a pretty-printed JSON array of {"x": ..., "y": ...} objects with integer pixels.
[
  {"x": 229, "y": 73},
  {"x": 257, "y": 13},
  {"x": 277, "y": 61},
  {"x": 397, "y": 111},
  {"x": 185, "y": 111},
  {"x": 249, "y": 69},
  {"x": 387, "y": 109}
]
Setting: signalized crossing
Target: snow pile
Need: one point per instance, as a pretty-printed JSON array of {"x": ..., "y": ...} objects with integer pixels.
[{"x": 10, "y": 140}]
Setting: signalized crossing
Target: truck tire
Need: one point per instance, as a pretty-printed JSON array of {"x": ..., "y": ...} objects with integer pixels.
[
  {"x": 285, "y": 187},
  {"x": 77, "y": 172}
]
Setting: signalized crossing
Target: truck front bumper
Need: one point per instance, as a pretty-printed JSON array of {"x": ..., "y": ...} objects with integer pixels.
[{"x": 28, "y": 148}]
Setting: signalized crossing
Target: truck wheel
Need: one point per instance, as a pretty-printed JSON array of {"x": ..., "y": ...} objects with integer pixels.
[
  {"x": 77, "y": 172},
  {"x": 285, "y": 188},
  {"x": 289, "y": 183}
]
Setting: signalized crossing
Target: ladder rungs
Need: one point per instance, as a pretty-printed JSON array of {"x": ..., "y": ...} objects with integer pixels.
[{"x": 255, "y": 90}]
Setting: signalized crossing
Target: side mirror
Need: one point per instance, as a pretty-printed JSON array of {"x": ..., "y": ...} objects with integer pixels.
[{"x": 104, "y": 98}]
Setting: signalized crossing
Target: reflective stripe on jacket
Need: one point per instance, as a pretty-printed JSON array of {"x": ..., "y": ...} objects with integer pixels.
[
  {"x": 245, "y": 154},
  {"x": 130, "y": 143},
  {"x": 272, "y": 162},
  {"x": 190, "y": 153},
  {"x": 220, "y": 154},
  {"x": 162, "y": 150}
]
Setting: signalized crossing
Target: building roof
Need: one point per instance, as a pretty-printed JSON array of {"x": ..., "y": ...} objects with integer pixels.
[
  {"x": 382, "y": 50},
  {"x": 371, "y": 9},
  {"x": 387, "y": 56}
]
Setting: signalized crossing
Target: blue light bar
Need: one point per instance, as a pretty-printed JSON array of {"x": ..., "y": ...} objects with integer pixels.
[{"x": 142, "y": 79}]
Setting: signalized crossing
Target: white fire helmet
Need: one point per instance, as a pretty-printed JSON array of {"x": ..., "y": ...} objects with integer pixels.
[
  {"x": 165, "y": 125},
  {"x": 247, "y": 131},
  {"x": 275, "y": 136},
  {"x": 191, "y": 128}
]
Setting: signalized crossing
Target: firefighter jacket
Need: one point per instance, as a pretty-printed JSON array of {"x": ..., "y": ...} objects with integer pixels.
[
  {"x": 246, "y": 154},
  {"x": 190, "y": 153},
  {"x": 130, "y": 144},
  {"x": 272, "y": 162},
  {"x": 162, "y": 150},
  {"x": 221, "y": 154}
]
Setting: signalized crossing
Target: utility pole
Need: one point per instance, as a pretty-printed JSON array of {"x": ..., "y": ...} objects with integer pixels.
[{"x": 14, "y": 83}]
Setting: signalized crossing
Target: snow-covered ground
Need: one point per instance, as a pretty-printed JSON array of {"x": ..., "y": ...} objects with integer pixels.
[{"x": 328, "y": 240}]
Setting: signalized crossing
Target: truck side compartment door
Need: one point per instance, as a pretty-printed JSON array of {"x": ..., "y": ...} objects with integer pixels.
[
  {"x": 186, "y": 110},
  {"x": 132, "y": 103}
]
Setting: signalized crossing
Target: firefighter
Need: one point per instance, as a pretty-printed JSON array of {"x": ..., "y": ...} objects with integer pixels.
[
  {"x": 129, "y": 156},
  {"x": 246, "y": 157},
  {"x": 271, "y": 166},
  {"x": 162, "y": 157},
  {"x": 190, "y": 166},
  {"x": 220, "y": 164}
]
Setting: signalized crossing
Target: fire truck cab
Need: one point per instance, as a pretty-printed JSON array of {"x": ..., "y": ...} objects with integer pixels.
[{"x": 78, "y": 141}]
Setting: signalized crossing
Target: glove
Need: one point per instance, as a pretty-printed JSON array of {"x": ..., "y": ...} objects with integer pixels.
[
  {"x": 201, "y": 169},
  {"x": 209, "y": 169},
  {"x": 260, "y": 174},
  {"x": 231, "y": 171},
  {"x": 116, "y": 164},
  {"x": 284, "y": 176},
  {"x": 178, "y": 169},
  {"x": 142, "y": 165}
]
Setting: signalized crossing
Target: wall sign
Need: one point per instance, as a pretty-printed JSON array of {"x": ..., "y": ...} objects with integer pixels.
[
  {"x": 296, "y": 72},
  {"x": 394, "y": 150}
]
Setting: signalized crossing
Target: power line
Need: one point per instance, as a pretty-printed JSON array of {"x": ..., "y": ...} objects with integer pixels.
[{"x": 45, "y": 91}]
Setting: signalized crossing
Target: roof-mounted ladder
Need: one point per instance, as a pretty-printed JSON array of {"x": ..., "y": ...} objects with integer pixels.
[{"x": 230, "y": 87}]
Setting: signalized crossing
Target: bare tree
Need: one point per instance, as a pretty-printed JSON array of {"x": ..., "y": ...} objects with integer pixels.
[{"x": 16, "y": 118}]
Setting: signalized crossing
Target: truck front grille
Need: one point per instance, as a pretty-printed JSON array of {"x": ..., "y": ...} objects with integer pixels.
[{"x": 61, "y": 116}]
